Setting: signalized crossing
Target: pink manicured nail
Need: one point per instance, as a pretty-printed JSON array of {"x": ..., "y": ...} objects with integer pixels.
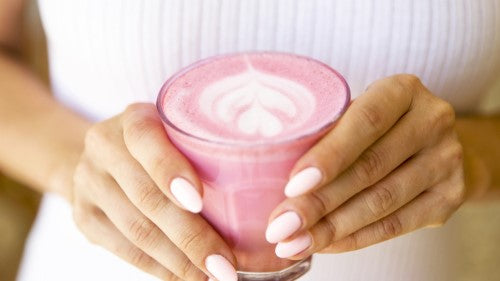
[
  {"x": 186, "y": 194},
  {"x": 296, "y": 246},
  {"x": 283, "y": 226},
  {"x": 220, "y": 268},
  {"x": 303, "y": 181}
]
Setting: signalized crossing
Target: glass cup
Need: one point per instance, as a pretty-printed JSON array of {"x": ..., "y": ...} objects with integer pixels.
[{"x": 242, "y": 184}]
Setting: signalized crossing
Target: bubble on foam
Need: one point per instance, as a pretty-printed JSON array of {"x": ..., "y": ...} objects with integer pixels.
[{"x": 254, "y": 102}]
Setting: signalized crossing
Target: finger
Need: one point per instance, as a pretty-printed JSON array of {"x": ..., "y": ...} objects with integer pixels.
[
  {"x": 142, "y": 232},
  {"x": 365, "y": 121},
  {"x": 191, "y": 234},
  {"x": 378, "y": 201},
  {"x": 455, "y": 191},
  {"x": 428, "y": 168},
  {"x": 368, "y": 206},
  {"x": 426, "y": 210},
  {"x": 99, "y": 230},
  {"x": 404, "y": 140},
  {"x": 148, "y": 143},
  {"x": 407, "y": 137}
]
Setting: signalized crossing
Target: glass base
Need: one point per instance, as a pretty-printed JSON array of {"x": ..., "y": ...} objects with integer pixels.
[{"x": 288, "y": 274}]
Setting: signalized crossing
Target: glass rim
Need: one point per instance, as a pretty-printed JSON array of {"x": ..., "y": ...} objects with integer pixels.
[{"x": 166, "y": 85}]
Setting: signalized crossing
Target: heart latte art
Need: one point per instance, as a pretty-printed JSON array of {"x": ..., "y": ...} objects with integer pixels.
[
  {"x": 257, "y": 103},
  {"x": 253, "y": 97}
]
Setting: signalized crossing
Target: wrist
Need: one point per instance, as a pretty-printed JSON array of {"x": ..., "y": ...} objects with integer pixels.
[
  {"x": 476, "y": 175},
  {"x": 479, "y": 137},
  {"x": 60, "y": 179}
]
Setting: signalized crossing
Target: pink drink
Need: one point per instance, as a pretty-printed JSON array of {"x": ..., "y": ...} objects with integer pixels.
[{"x": 243, "y": 120}]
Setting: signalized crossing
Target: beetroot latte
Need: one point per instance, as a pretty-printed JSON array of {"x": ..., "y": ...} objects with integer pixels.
[{"x": 243, "y": 120}]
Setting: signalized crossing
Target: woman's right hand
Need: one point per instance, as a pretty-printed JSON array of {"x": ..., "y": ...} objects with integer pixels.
[{"x": 132, "y": 190}]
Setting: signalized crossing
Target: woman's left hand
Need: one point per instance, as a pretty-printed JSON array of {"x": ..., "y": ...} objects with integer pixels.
[{"x": 392, "y": 164}]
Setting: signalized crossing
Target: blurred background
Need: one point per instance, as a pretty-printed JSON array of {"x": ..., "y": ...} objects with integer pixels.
[{"x": 479, "y": 235}]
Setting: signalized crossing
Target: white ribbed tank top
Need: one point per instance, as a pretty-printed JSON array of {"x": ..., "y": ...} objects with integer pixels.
[{"x": 105, "y": 54}]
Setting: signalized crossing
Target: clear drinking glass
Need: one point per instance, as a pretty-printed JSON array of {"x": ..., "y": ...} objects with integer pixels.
[{"x": 243, "y": 183}]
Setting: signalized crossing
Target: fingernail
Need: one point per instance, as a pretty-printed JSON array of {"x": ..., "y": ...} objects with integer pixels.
[
  {"x": 186, "y": 195},
  {"x": 220, "y": 268},
  {"x": 303, "y": 181},
  {"x": 283, "y": 226},
  {"x": 296, "y": 246}
]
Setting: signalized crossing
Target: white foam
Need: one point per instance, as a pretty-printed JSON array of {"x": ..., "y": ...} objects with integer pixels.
[{"x": 252, "y": 102}]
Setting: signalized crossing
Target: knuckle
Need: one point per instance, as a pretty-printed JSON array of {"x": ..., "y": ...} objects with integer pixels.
[
  {"x": 141, "y": 231},
  {"x": 88, "y": 184},
  {"x": 457, "y": 196},
  {"x": 191, "y": 241},
  {"x": 454, "y": 191},
  {"x": 390, "y": 227},
  {"x": 97, "y": 136},
  {"x": 444, "y": 115},
  {"x": 133, "y": 108},
  {"x": 136, "y": 129},
  {"x": 438, "y": 223},
  {"x": 80, "y": 216},
  {"x": 406, "y": 84},
  {"x": 160, "y": 166},
  {"x": 329, "y": 154},
  {"x": 320, "y": 202},
  {"x": 138, "y": 257},
  {"x": 83, "y": 218},
  {"x": 368, "y": 166},
  {"x": 154, "y": 205},
  {"x": 457, "y": 154},
  {"x": 408, "y": 80},
  {"x": 188, "y": 271},
  {"x": 100, "y": 141},
  {"x": 171, "y": 277},
  {"x": 451, "y": 156},
  {"x": 149, "y": 198},
  {"x": 354, "y": 241},
  {"x": 139, "y": 108},
  {"x": 329, "y": 224},
  {"x": 371, "y": 118},
  {"x": 441, "y": 219},
  {"x": 137, "y": 121},
  {"x": 82, "y": 172},
  {"x": 379, "y": 200}
]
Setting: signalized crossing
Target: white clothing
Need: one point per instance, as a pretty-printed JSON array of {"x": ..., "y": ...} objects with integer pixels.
[{"x": 105, "y": 54}]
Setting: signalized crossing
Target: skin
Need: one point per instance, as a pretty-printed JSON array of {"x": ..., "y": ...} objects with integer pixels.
[
  {"x": 122, "y": 201},
  {"x": 115, "y": 173},
  {"x": 393, "y": 164},
  {"x": 396, "y": 134}
]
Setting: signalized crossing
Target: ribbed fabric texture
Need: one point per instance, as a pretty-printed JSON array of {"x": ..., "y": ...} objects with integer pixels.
[
  {"x": 101, "y": 48},
  {"x": 105, "y": 54}
]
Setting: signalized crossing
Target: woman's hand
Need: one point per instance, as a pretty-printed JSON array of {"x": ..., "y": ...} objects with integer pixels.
[
  {"x": 392, "y": 164},
  {"x": 128, "y": 188}
]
